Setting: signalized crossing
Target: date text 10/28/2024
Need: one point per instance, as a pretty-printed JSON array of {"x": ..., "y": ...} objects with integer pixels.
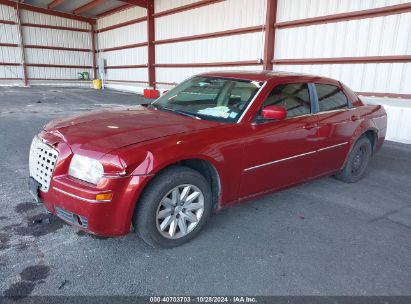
[{"x": 205, "y": 299}]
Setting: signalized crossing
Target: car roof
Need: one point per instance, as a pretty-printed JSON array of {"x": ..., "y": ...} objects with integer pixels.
[{"x": 269, "y": 75}]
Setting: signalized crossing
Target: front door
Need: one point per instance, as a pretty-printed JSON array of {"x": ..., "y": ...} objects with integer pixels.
[{"x": 280, "y": 153}]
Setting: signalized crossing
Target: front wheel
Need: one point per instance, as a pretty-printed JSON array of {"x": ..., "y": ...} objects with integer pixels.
[
  {"x": 357, "y": 162},
  {"x": 173, "y": 208}
]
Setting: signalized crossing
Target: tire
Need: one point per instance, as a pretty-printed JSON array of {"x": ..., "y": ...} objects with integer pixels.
[
  {"x": 160, "y": 215},
  {"x": 357, "y": 162}
]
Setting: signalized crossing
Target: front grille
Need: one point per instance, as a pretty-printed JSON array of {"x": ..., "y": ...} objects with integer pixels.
[
  {"x": 72, "y": 218},
  {"x": 42, "y": 161}
]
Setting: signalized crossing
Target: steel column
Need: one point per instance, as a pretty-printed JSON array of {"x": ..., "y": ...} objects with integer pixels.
[
  {"x": 269, "y": 41},
  {"x": 23, "y": 54},
  {"x": 150, "y": 44},
  {"x": 93, "y": 51}
]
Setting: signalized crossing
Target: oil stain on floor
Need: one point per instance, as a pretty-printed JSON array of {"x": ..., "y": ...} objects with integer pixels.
[{"x": 29, "y": 277}]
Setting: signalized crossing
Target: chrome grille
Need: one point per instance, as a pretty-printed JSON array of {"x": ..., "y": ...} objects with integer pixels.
[
  {"x": 42, "y": 161},
  {"x": 72, "y": 218}
]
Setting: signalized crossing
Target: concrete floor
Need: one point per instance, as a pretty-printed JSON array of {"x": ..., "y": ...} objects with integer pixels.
[{"x": 321, "y": 238}]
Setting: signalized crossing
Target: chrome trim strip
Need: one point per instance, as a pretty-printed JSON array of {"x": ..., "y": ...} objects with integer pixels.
[
  {"x": 279, "y": 160},
  {"x": 79, "y": 197},
  {"x": 251, "y": 103},
  {"x": 333, "y": 146},
  {"x": 295, "y": 156}
]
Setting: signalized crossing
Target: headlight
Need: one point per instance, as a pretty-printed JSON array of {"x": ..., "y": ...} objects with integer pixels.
[{"x": 86, "y": 169}]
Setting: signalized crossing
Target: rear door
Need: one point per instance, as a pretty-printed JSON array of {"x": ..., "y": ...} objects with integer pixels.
[
  {"x": 337, "y": 121},
  {"x": 280, "y": 153}
]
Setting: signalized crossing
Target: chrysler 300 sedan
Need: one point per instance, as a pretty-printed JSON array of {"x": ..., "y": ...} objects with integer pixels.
[{"x": 213, "y": 141}]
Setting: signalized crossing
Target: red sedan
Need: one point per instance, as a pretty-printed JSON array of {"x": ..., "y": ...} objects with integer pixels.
[{"x": 213, "y": 141}]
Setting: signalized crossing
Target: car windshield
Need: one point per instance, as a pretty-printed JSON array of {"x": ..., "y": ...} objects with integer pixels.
[{"x": 210, "y": 98}]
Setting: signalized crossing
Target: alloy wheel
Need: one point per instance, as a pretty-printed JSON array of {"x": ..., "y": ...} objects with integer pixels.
[{"x": 180, "y": 211}]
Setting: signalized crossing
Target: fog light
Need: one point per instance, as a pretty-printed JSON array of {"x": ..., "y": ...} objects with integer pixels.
[{"x": 104, "y": 196}]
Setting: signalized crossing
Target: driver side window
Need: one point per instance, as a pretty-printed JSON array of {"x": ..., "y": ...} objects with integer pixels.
[{"x": 294, "y": 97}]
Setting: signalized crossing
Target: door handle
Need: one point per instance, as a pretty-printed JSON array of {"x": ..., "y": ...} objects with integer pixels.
[
  {"x": 355, "y": 118},
  {"x": 309, "y": 126}
]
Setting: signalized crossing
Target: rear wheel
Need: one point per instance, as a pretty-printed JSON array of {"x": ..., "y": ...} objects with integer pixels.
[
  {"x": 174, "y": 207},
  {"x": 357, "y": 162}
]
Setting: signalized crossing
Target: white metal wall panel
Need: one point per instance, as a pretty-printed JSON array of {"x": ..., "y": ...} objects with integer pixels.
[
  {"x": 11, "y": 72},
  {"x": 127, "y": 74},
  {"x": 53, "y": 37},
  {"x": 9, "y": 34},
  {"x": 122, "y": 16},
  {"x": 130, "y": 34},
  {"x": 381, "y": 36},
  {"x": 125, "y": 57},
  {"x": 164, "y": 5},
  {"x": 38, "y": 18},
  {"x": 300, "y": 9},
  {"x": 177, "y": 75},
  {"x": 7, "y": 13},
  {"x": 58, "y": 57},
  {"x": 226, "y": 15},
  {"x": 10, "y": 54},
  {"x": 229, "y": 48},
  {"x": 382, "y": 77},
  {"x": 55, "y": 73}
]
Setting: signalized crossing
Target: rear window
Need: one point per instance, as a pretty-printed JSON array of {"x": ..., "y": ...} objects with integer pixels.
[{"x": 331, "y": 98}]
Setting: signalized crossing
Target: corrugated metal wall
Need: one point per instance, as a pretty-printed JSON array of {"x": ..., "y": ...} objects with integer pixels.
[
  {"x": 9, "y": 34},
  {"x": 222, "y": 16},
  {"x": 56, "y": 38},
  {"x": 379, "y": 36},
  {"x": 47, "y": 37},
  {"x": 126, "y": 35}
]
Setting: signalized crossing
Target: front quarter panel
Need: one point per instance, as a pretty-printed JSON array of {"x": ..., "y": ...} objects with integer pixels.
[{"x": 222, "y": 147}]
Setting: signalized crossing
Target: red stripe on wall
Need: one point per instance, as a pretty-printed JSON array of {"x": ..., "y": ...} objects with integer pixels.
[
  {"x": 369, "y": 13},
  {"x": 245, "y": 30},
  {"x": 7, "y": 22},
  {"x": 10, "y": 64},
  {"x": 344, "y": 60},
  {"x": 137, "y": 66},
  {"x": 59, "y": 79},
  {"x": 9, "y": 44},
  {"x": 42, "y": 65},
  {"x": 123, "y": 47},
  {"x": 55, "y": 27},
  {"x": 126, "y": 81},
  {"x": 116, "y": 26},
  {"x": 186, "y": 7},
  {"x": 57, "y": 48},
  {"x": 208, "y": 64}
]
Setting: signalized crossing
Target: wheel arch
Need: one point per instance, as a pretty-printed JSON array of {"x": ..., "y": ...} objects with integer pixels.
[
  {"x": 371, "y": 133},
  {"x": 204, "y": 166}
]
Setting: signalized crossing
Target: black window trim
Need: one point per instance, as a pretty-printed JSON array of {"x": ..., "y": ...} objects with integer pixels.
[
  {"x": 317, "y": 103},
  {"x": 311, "y": 96}
]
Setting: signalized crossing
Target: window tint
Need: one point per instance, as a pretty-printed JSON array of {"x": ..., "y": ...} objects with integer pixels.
[
  {"x": 331, "y": 97},
  {"x": 295, "y": 98}
]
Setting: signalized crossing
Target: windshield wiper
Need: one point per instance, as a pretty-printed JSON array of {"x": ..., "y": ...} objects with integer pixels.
[{"x": 176, "y": 111}]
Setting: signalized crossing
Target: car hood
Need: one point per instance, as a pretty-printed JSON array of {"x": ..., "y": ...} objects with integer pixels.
[{"x": 105, "y": 131}]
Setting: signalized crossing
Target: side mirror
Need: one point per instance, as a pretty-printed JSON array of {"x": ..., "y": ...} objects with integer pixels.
[{"x": 274, "y": 112}]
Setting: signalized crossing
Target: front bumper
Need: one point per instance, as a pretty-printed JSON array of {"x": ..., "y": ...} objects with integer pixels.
[{"x": 74, "y": 202}]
